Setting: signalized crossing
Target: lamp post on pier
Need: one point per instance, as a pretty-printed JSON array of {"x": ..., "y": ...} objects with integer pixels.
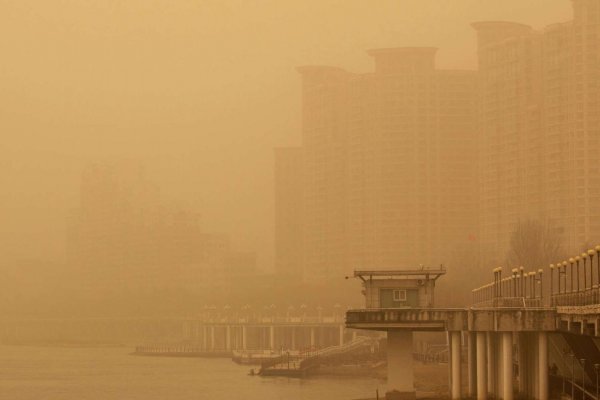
[
  {"x": 597, "y": 248},
  {"x": 591, "y": 253},
  {"x": 572, "y": 269},
  {"x": 541, "y": 282},
  {"x": 577, "y": 258},
  {"x": 552, "y": 284}
]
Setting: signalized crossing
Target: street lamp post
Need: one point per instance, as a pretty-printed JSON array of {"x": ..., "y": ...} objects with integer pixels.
[
  {"x": 584, "y": 259},
  {"x": 577, "y": 259},
  {"x": 597, "y": 248},
  {"x": 591, "y": 253},
  {"x": 572, "y": 269},
  {"x": 565, "y": 275},
  {"x": 541, "y": 282},
  {"x": 552, "y": 284}
]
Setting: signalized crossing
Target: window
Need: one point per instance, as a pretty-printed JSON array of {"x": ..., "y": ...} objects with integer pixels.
[{"x": 399, "y": 295}]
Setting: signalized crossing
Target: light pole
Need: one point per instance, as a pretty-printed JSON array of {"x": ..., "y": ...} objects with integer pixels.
[
  {"x": 552, "y": 284},
  {"x": 597, "y": 248},
  {"x": 541, "y": 282},
  {"x": 584, "y": 259},
  {"x": 565, "y": 274},
  {"x": 591, "y": 253},
  {"x": 577, "y": 258},
  {"x": 571, "y": 262}
]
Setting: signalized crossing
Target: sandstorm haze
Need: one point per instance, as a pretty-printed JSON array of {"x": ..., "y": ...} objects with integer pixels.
[{"x": 195, "y": 93}]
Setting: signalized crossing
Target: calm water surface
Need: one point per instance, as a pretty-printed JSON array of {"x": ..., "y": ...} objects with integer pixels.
[{"x": 68, "y": 373}]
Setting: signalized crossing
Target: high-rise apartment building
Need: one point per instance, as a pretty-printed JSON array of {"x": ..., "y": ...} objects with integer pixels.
[
  {"x": 540, "y": 128},
  {"x": 389, "y": 161},
  {"x": 411, "y": 164}
]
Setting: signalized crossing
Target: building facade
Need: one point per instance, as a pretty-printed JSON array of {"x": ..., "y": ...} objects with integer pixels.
[
  {"x": 540, "y": 128},
  {"x": 388, "y": 164}
]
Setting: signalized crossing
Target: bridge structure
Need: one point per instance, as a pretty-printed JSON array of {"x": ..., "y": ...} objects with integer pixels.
[
  {"x": 255, "y": 332},
  {"x": 214, "y": 330},
  {"x": 522, "y": 332}
]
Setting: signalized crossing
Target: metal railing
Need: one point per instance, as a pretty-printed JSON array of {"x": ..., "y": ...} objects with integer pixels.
[
  {"x": 518, "y": 290},
  {"x": 573, "y": 281}
]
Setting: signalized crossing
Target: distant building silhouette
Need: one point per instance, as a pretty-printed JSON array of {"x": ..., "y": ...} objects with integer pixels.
[
  {"x": 389, "y": 164},
  {"x": 540, "y": 128},
  {"x": 122, "y": 238},
  {"x": 413, "y": 165}
]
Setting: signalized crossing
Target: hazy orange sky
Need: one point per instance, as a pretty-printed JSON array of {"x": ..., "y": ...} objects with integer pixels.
[{"x": 199, "y": 91}]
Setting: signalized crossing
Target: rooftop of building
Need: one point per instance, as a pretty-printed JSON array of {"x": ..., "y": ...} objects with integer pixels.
[{"x": 415, "y": 273}]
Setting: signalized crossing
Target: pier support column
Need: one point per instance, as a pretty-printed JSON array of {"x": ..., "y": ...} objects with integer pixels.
[
  {"x": 507, "y": 366},
  {"x": 228, "y": 338},
  {"x": 482, "y": 389},
  {"x": 272, "y": 337},
  {"x": 400, "y": 363},
  {"x": 523, "y": 365},
  {"x": 244, "y": 338},
  {"x": 543, "y": 365},
  {"x": 491, "y": 362},
  {"x": 472, "y": 363},
  {"x": 454, "y": 363}
]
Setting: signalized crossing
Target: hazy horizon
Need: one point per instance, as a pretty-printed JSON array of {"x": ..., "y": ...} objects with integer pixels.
[{"x": 198, "y": 92}]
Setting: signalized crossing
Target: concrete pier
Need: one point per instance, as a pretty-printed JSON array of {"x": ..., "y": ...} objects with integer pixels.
[
  {"x": 472, "y": 363},
  {"x": 543, "y": 365},
  {"x": 491, "y": 362},
  {"x": 481, "y": 350},
  {"x": 507, "y": 366},
  {"x": 454, "y": 363},
  {"x": 400, "y": 363}
]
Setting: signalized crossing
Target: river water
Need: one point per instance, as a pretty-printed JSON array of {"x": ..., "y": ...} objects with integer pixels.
[{"x": 107, "y": 373}]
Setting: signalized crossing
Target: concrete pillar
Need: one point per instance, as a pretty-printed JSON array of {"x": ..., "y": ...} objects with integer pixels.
[
  {"x": 472, "y": 363},
  {"x": 228, "y": 338},
  {"x": 523, "y": 364},
  {"x": 499, "y": 387},
  {"x": 543, "y": 365},
  {"x": 491, "y": 362},
  {"x": 455, "y": 367},
  {"x": 341, "y": 335},
  {"x": 400, "y": 362},
  {"x": 507, "y": 366},
  {"x": 272, "y": 337},
  {"x": 481, "y": 350},
  {"x": 244, "y": 338}
]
